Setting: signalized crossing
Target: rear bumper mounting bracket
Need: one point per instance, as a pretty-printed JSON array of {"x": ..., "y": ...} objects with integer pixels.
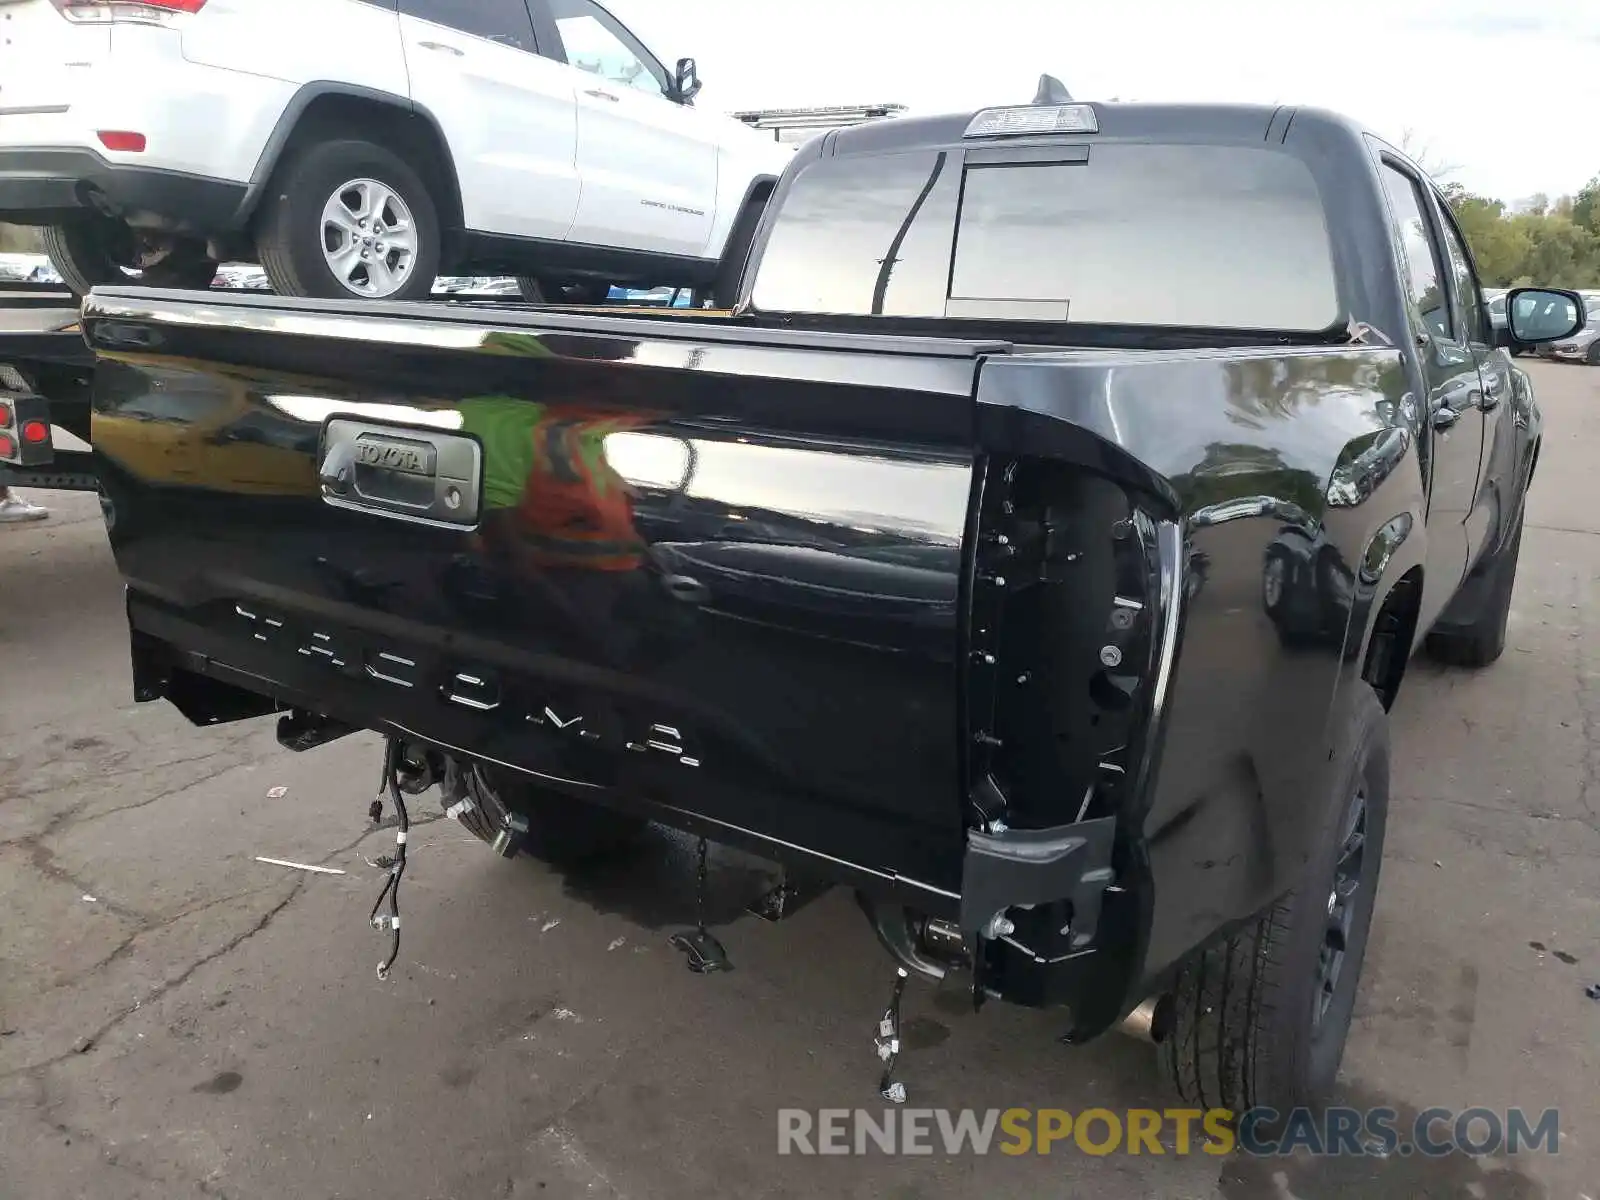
[{"x": 1038, "y": 866}]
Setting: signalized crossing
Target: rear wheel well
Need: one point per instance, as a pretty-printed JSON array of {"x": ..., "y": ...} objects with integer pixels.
[
  {"x": 741, "y": 240},
  {"x": 408, "y": 134},
  {"x": 761, "y": 191},
  {"x": 1393, "y": 633}
]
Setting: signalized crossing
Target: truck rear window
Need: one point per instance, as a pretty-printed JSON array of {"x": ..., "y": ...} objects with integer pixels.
[{"x": 1217, "y": 237}]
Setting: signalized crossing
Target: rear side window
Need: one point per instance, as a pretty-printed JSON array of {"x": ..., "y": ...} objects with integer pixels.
[
  {"x": 503, "y": 21},
  {"x": 1220, "y": 237},
  {"x": 864, "y": 236},
  {"x": 1466, "y": 286},
  {"x": 1424, "y": 270}
]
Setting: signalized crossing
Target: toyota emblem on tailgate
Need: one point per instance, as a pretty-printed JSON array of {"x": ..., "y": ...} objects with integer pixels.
[
  {"x": 429, "y": 476},
  {"x": 393, "y": 454}
]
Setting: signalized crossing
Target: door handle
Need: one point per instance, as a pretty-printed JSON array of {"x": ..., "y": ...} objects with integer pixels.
[
  {"x": 417, "y": 475},
  {"x": 1493, "y": 388},
  {"x": 1444, "y": 417},
  {"x": 599, "y": 95},
  {"x": 441, "y": 47}
]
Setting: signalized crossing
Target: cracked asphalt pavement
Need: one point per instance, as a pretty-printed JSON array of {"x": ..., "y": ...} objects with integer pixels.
[{"x": 178, "y": 1019}]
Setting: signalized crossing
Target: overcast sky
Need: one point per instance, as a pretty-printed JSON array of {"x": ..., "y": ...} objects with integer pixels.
[{"x": 1510, "y": 93}]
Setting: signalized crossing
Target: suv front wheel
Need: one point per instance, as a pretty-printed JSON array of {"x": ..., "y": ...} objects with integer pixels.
[{"x": 347, "y": 220}]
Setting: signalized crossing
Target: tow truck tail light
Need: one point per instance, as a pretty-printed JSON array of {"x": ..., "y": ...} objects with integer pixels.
[
  {"x": 25, "y": 430},
  {"x": 1031, "y": 118},
  {"x": 129, "y": 12}
]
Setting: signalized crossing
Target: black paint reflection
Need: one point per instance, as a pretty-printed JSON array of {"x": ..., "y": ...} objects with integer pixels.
[{"x": 641, "y": 559}]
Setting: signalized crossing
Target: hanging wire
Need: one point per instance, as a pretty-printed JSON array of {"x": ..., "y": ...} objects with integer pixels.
[{"x": 397, "y": 866}]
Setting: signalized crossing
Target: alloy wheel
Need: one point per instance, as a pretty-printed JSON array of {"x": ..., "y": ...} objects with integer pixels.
[
  {"x": 369, "y": 238},
  {"x": 1272, "y": 582},
  {"x": 1345, "y": 898}
]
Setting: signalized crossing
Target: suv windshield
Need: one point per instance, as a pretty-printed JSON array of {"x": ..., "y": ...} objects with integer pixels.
[{"x": 1218, "y": 237}]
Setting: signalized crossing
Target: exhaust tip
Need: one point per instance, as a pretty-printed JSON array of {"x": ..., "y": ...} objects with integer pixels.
[{"x": 1151, "y": 1021}]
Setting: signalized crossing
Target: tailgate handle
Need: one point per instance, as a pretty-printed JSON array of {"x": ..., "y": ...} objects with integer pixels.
[{"x": 423, "y": 476}]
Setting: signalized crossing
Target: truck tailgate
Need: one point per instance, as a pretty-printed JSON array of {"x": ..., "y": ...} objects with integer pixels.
[{"x": 710, "y": 568}]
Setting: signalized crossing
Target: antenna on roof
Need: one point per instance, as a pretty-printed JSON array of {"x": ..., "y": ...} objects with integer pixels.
[{"x": 1052, "y": 91}]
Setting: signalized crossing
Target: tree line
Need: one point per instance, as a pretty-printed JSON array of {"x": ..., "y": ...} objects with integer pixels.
[{"x": 1543, "y": 242}]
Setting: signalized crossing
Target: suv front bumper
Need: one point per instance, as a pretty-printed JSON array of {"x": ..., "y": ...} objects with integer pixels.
[{"x": 41, "y": 185}]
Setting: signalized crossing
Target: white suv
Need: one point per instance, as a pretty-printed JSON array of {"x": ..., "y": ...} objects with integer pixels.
[{"x": 363, "y": 147}]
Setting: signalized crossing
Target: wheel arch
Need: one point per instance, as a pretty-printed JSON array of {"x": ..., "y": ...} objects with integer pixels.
[
  {"x": 739, "y": 248},
  {"x": 1394, "y": 635},
  {"x": 327, "y": 107}
]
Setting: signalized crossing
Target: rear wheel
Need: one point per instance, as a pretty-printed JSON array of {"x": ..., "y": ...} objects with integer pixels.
[
  {"x": 349, "y": 219},
  {"x": 1275, "y": 577},
  {"x": 92, "y": 250},
  {"x": 516, "y": 815},
  {"x": 1262, "y": 1018}
]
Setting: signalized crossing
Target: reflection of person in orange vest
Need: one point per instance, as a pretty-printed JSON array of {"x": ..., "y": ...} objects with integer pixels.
[
  {"x": 548, "y": 486},
  {"x": 576, "y": 508}
]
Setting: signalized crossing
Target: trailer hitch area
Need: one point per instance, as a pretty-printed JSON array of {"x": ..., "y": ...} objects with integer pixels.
[
  {"x": 1026, "y": 867},
  {"x": 299, "y": 730},
  {"x": 925, "y": 947}
]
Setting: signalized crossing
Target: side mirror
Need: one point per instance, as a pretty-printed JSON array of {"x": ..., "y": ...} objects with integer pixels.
[
  {"x": 685, "y": 82},
  {"x": 1538, "y": 315}
]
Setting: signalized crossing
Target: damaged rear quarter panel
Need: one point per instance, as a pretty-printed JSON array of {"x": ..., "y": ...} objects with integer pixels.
[{"x": 1298, "y": 456}]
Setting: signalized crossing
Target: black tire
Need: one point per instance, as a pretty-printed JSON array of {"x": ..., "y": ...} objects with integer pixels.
[
  {"x": 560, "y": 829},
  {"x": 1250, "y": 1026},
  {"x": 554, "y": 291},
  {"x": 96, "y": 251},
  {"x": 1486, "y": 594},
  {"x": 1593, "y": 357},
  {"x": 290, "y": 233}
]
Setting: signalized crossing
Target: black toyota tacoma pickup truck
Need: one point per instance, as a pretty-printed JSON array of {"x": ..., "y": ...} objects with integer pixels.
[{"x": 1036, "y": 548}]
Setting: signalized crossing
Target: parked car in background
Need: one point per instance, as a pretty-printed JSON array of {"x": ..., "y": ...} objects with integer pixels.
[
  {"x": 242, "y": 277},
  {"x": 360, "y": 148},
  {"x": 1495, "y": 299},
  {"x": 1583, "y": 346},
  {"x": 27, "y": 268}
]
